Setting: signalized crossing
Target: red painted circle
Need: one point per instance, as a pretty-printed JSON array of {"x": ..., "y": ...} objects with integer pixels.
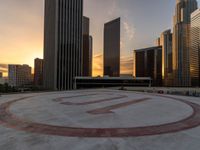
[{"x": 8, "y": 119}]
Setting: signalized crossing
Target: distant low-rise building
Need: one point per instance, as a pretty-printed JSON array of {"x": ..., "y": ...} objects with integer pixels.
[
  {"x": 3, "y": 80},
  {"x": 106, "y": 81},
  {"x": 19, "y": 75},
  {"x": 147, "y": 62},
  {"x": 38, "y": 72}
]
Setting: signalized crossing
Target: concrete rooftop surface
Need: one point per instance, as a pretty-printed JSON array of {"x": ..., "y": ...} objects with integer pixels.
[{"x": 99, "y": 119}]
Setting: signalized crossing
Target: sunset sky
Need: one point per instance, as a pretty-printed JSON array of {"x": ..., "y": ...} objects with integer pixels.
[{"x": 21, "y": 28}]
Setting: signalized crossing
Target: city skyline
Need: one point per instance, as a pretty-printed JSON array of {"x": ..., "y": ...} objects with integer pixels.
[
  {"x": 100, "y": 74},
  {"x": 22, "y": 30}
]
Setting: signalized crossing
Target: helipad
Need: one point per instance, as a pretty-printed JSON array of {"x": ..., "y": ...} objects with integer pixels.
[{"x": 99, "y": 119}]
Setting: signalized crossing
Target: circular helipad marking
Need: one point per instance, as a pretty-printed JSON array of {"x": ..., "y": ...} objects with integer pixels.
[{"x": 10, "y": 120}]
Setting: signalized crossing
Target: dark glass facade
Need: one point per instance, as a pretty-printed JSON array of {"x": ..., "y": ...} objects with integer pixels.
[
  {"x": 98, "y": 82},
  {"x": 181, "y": 42},
  {"x": 148, "y": 63},
  {"x": 87, "y": 48},
  {"x": 90, "y": 55},
  {"x": 140, "y": 60},
  {"x": 62, "y": 43},
  {"x": 38, "y": 72},
  {"x": 112, "y": 48}
]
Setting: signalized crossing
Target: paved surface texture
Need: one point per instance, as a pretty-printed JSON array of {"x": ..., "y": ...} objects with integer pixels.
[{"x": 99, "y": 119}]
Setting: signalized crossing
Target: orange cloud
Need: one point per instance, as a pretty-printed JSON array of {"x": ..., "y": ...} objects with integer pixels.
[
  {"x": 98, "y": 65},
  {"x": 4, "y": 69},
  {"x": 126, "y": 65},
  {"x": 21, "y": 32}
]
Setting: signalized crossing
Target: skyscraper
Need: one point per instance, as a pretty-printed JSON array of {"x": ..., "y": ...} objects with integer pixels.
[
  {"x": 90, "y": 54},
  {"x": 38, "y": 72},
  {"x": 181, "y": 41},
  {"x": 195, "y": 49},
  {"x": 87, "y": 52},
  {"x": 62, "y": 43},
  {"x": 166, "y": 43},
  {"x": 19, "y": 75},
  {"x": 112, "y": 48},
  {"x": 147, "y": 62}
]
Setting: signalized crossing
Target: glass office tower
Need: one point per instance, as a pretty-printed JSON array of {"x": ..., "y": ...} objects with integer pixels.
[
  {"x": 87, "y": 48},
  {"x": 181, "y": 41},
  {"x": 62, "y": 43},
  {"x": 166, "y": 43},
  {"x": 38, "y": 72},
  {"x": 112, "y": 48},
  {"x": 195, "y": 49},
  {"x": 147, "y": 62}
]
